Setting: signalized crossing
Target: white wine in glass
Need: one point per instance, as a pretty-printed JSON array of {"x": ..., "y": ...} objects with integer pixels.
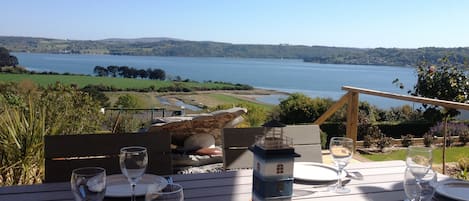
[
  {"x": 341, "y": 149},
  {"x": 133, "y": 162}
]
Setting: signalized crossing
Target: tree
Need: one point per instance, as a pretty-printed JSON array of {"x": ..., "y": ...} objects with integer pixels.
[
  {"x": 299, "y": 108},
  {"x": 6, "y": 59},
  {"x": 128, "y": 101},
  {"x": 142, "y": 73},
  {"x": 113, "y": 70},
  {"x": 101, "y": 71},
  {"x": 442, "y": 81}
]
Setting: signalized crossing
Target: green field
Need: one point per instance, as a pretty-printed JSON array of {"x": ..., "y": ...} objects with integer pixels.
[
  {"x": 120, "y": 83},
  {"x": 234, "y": 100},
  {"x": 452, "y": 155}
]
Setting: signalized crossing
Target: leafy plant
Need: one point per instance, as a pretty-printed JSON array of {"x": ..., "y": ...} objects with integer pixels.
[
  {"x": 463, "y": 166},
  {"x": 452, "y": 129},
  {"x": 428, "y": 139},
  {"x": 128, "y": 101},
  {"x": 56, "y": 110},
  {"x": 407, "y": 140},
  {"x": 21, "y": 144}
]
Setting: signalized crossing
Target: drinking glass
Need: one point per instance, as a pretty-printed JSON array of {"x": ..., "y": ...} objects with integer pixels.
[
  {"x": 172, "y": 192},
  {"x": 341, "y": 149},
  {"x": 419, "y": 162},
  {"x": 427, "y": 186},
  {"x": 88, "y": 183},
  {"x": 133, "y": 162}
]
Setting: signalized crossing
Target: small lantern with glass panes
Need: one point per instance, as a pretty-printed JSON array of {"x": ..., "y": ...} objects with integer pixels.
[{"x": 273, "y": 164}]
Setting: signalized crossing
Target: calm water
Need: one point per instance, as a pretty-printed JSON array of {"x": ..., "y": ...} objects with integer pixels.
[{"x": 315, "y": 80}]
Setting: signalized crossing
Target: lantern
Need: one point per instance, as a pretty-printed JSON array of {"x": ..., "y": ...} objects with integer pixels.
[{"x": 273, "y": 164}]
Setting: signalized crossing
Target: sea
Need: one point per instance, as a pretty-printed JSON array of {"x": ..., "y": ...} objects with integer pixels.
[{"x": 286, "y": 75}]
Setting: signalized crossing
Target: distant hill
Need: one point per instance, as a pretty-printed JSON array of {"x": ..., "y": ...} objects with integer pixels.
[
  {"x": 178, "y": 47},
  {"x": 140, "y": 40}
]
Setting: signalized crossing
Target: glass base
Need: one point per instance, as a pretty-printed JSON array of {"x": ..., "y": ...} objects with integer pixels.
[{"x": 341, "y": 190}]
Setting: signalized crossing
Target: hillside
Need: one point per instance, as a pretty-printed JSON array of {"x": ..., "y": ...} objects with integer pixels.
[{"x": 178, "y": 47}]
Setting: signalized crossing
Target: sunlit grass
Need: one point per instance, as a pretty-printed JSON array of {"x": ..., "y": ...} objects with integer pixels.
[{"x": 452, "y": 155}]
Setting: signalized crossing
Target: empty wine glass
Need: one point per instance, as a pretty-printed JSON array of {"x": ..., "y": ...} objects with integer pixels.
[
  {"x": 341, "y": 149},
  {"x": 133, "y": 162},
  {"x": 88, "y": 183},
  {"x": 427, "y": 186},
  {"x": 419, "y": 162},
  {"x": 172, "y": 192}
]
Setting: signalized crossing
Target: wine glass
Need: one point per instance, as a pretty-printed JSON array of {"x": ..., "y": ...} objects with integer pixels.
[
  {"x": 172, "y": 192},
  {"x": 341, "y": 149},
  {"x": 88, "y": 183},
  {"x": 419, "y": 162},
  {"x": 427, "y": 186},
  {"x": 133, "y": 162}
]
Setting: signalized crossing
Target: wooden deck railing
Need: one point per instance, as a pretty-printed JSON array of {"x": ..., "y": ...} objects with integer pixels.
[{"x": 351, "y": 98}]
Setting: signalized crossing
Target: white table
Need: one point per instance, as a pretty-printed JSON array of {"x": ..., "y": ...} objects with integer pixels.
[{"x": 381, "y": 181}]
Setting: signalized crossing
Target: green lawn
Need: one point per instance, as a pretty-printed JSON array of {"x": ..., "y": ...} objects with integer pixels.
[
  {"x": 452, "y": 155},
  {"x": 233, "y": 100},
  {"x": 121, "y": 83}
]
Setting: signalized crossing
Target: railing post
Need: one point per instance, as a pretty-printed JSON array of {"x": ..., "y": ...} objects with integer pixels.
[{"x": 352, "y": 117}]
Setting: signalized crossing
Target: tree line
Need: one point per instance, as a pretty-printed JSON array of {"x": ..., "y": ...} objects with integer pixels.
[
  {"x": 129, "y": 72},
  {"x": 317, "y": 54}
]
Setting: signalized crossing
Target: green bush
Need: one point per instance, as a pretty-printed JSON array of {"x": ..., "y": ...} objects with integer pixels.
[
  {"x": 55, "y": 110},
  {"x": 428, "y": 140},
  {"x": 407, "y": 140},
  {"x": 128, "y": 101},
  {"x": 299, "y": 108}
]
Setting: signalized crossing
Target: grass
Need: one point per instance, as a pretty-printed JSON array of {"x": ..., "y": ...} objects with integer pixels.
[
  {"x": 83, "y": 80},
  {"x": 452, "y": 155},
  {"x": 227, "y": 99}
]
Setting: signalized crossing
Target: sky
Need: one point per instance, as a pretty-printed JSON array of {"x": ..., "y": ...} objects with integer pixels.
[{"x": 339, "y": 23}]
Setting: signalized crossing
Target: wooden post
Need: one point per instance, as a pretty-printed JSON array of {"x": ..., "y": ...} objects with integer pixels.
[
  {"x": 352, "y": 117},
  {"x": 337, "y": 105}
]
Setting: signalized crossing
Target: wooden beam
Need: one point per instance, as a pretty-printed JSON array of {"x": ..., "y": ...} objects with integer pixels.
[
  {"x": 442, "y": 103},
  {"x": 352, "y": 117},
  {"x": 333, "y": 109}
]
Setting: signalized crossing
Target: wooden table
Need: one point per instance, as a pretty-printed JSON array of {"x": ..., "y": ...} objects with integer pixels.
[{"x": 380, "y": 181}]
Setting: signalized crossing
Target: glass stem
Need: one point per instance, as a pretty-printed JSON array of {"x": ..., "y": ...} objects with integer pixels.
[
  {"x": 132, "y": 186},
  {"x": 339, "y": 179},
  {"x": 418, "y": 190}
]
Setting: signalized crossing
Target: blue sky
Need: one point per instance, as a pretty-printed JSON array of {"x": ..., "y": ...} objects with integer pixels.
[{"x": 344, "y": 23}]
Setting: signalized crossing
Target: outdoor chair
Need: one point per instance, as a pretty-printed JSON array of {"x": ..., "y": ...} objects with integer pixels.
[
  {"x": 63, "y": 153},
  {"x": 306, "y": 141}
]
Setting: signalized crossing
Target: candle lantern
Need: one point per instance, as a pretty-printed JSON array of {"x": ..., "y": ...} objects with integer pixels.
[{"x": 273, "y": 164}]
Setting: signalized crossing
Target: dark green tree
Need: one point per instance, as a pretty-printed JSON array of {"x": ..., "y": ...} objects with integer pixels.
[{"x": 6, "y": 59}]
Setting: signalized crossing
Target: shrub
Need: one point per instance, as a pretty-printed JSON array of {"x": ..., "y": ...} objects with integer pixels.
[
  {"x": 299, "y": 108},
  {"x": 452, "y": 129},
  {"x": 56, "y": 110},
  {"x": 407, "y": 140},
  {"x": 463, "y": 166},
  {"x": 464, "y": 136},
  {"x": 323, "y": 140},
  {"x": 374, "y": 137},
  {"x": 428, "y": 139},
  {"x": 128, "y": 101}
]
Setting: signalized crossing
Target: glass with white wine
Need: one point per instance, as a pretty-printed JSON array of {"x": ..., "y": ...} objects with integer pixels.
[{"x": 341, "y": 149}]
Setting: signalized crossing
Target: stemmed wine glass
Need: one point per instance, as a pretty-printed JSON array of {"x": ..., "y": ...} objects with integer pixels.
[
  {"x": 133, "y": 162},
  {"x": 419, "y": 162},
  {"x": 341, "y": 149}
]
